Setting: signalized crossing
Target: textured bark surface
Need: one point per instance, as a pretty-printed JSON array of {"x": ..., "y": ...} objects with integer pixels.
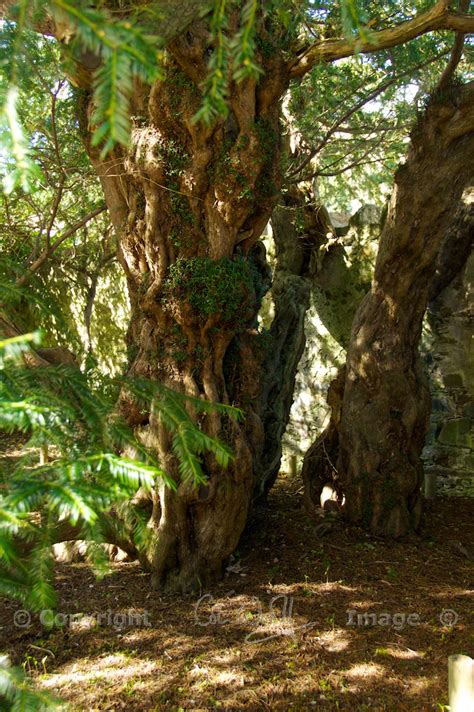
[
  {"x": 189, "y": 203},
  {"x": 309, "y": 259},
  {"x": 299, "y": 231},
  {"x": 340, "y": 283},
  {"x": 456, "y": 247},
  {"x": 319, "y": 464},
  {"x": 383, "y": 419}
]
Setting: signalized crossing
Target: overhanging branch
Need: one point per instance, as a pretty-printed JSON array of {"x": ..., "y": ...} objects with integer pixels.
[
  {"x": 456, "y": 53},
  {"x": 439, "y": 17},
  {"x": 48, "y": 251},
  {"x": 336, "y": 126}
]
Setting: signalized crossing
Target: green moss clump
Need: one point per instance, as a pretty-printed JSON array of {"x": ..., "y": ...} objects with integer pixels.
[
  {"x": 213, "y": 286},
  {"x": 175, "y": 157},
  {"x": 222, "y": 169},
  {"x": 181, "y": 209},
  {"x": 182, "y": 89},
  {"x": 267, "y": 137}
]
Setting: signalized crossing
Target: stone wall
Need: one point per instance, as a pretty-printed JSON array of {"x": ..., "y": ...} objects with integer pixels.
[
  {"x": 338, "y": 286},
  {"x": 449, "y": 353},
  {"x": 339, "y": 282}
]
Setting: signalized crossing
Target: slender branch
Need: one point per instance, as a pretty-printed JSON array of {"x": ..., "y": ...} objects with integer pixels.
[
  {"x": 354, "y": 164},
  {"x": 360, "y": 160},
  {"x": 91, "y": 294},
  {"x": 65, "y": 531},
  {"x": 34, "y": 267},
  {"x": 367, "y": 129},
  {"x": 54, "y": 131},
  {"x": 356, "y": 107},
  {"x": 54, "y": 211},
  {"x": 456, "y": 53},
  {"x": 439, "y": 17}
]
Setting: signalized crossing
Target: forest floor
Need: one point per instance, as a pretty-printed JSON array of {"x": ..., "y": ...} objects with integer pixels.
[{"x": 238, "y": 647}]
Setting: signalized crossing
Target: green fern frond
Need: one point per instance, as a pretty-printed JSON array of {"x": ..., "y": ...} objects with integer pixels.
[
  {"x": 126, "y": 53},
  {"x": 17, "y": 692},
  {"x": 216, "y": 86},
  {"x": 113, "y": 87},
  {"x": 243, "y": 48},
  {"x": 86, "y": 480},
  {"x": 40, "y": 574},
  {"x": 14, "y": 587}
]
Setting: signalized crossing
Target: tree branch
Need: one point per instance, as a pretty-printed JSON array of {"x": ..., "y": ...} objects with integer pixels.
[
  {"x": 439, "y": 17},
  {"x": 359, "y": 105},
  {"x": 34, "y": 267},
  {"x": 456, "y": 53},
  {"x": 65, "y": 531}
]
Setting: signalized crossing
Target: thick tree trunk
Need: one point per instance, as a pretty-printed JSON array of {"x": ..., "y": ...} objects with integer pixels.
[
  {"x": 382, "y": 420},
  {"x": 456, "y": 248},
  {"x": 189, "y": 203}
]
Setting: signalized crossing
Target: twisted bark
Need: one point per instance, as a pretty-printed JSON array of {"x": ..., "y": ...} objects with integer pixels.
[
  {"x": 189, "y": 203},
  {"x": 383, "y": 418}
]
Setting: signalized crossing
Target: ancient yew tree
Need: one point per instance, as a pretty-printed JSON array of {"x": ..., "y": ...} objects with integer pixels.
[
  {"x": 189, "y": 200},
  {"x": 381, "y": 402}
]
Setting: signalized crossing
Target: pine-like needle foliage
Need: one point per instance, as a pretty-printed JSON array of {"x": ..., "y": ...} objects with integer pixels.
[
  {"x": 125, "y": 50},
  {"x": 71, "y": 415},
  {"x": 83, "y": 487},
  {"x": 17, "y": 693}
]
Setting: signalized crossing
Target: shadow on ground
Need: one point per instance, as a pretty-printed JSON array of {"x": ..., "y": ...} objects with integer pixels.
[{"x": 301, "y": 622}]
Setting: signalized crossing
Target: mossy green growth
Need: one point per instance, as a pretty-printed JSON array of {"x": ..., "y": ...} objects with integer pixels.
[
  {"x": 222, "y": 169},
  {"x": 182, "y": 88},
  {"x": 175, "y": 157},
  {"x": 212, "y": 286},
  {"x": 267, "y": 137},
  {"x": 181, "y": 209},
  {"x": 175, "y": 160}
]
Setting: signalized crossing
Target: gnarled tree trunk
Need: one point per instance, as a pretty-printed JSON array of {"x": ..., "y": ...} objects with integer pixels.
[
  {"x": 382, "y": 419},
  {"x": 189, "y": 203}
]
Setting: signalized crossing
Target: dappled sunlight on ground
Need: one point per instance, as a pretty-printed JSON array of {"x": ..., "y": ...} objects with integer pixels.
[
  {"x": 365, "y": 670},
  {"x": 280, "y": 632},
  {"x": 110, "y": 668}
]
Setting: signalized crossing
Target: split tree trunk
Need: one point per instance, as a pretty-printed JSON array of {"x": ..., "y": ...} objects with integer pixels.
[
  {"x": 299, "y": 232},
  {"x": 189, "y": 203},
  {"x": 382, "y": 419}
]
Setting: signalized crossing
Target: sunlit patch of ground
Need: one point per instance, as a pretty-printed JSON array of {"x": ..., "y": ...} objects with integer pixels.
[{"x": 279, "y": 633}]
